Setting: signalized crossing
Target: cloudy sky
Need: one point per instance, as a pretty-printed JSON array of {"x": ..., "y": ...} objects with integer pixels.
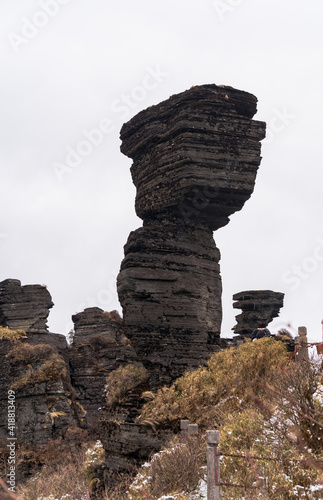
[{"x": 78, "y": 69}]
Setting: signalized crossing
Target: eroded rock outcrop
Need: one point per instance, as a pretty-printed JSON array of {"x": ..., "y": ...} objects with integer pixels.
[
  {"x": 34, "y": 364},
  {"x": 170, "y": 289},
  {"x": 259, "y": 308},
  {"x": 127, "y": 443},
  {"x": 99, "y": 346},
  {"x": 195, "y": 160},
  {"x": 24, "y": 307}
]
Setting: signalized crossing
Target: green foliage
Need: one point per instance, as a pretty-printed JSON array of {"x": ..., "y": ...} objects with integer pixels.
[
  {"x": 122, "y": 381},
  {"x": 11, "y": 335},
  {"x": 230, "y": 381}
]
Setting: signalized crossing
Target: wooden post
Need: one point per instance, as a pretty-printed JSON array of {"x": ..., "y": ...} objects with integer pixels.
[
  {"x": 184, "y": 426},
  {"x": 213, "y": 465}
]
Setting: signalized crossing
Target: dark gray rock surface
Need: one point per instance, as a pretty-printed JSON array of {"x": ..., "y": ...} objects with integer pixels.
[
  {"x": 24, "y": 307},
  {"x": 36, "y": 366},
  {"x": 99, "y": 346},
  {"x": 127, "y": 443},
  {"x": 200, "y": 147},
  {"x": 195, "y": 160},
  {"x": 170, "y": 289},
  {"x": 259, "y": 308},
  {"x": 44, "y": 406}
]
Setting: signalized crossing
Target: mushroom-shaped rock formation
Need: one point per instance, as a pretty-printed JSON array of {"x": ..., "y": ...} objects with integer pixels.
[
  {"x": 195, "y": 160},
  {"x": 195, "y": 156},
  {"x": 259, "y": 308}
]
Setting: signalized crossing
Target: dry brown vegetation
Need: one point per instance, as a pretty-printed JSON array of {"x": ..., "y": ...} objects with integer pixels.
[
  {"x": 269, "y": 412},
  {"x": 266, "y": 407},
  {"x": 123, "y": 380},
  {"x": 113, "y": 316},
  {"x": 58, "y": 470},
  {"x": 25, "y": 354},
  {"x": 228, "y": 384},
  {"x": 51, "y": 370},
  {"x": 11, "y": 335}
]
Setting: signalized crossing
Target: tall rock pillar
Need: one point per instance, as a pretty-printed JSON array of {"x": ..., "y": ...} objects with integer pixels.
[{"x": 195, "y": 160}]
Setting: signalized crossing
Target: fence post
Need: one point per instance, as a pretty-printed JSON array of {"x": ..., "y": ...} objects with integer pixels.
[
  {"x": 301, "y": 344},
  {"x": 184, "y": 426},
  {"x": 213, "y": 465}
]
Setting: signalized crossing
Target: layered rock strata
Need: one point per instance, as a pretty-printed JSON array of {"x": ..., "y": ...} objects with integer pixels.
[
  {"x": 198, "y": 147},
  {"x": 170, "y": 289},
  {"x": 99, "y": 346},
  {"x": 259, "y": 308},
  {"x": 24, "y": 307},
  {"x": 195, "y": 160},
  {"x": 126, "y": 442},
  {"x": 34, "y": 364}
]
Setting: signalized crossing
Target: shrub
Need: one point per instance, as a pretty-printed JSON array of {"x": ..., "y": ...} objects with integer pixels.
[
  {"x": 64, "y": 482},
  {"x": 175, "y": 471},
  {"x": 231, "y": 380},
  {"x": 113, "y": 316},
  {"x": 63, "y": 477},
  {"x": 25, "y": 354},
  {"x": 50, "y": 371},
  {"x": 296, "y": 395},
  {"x": 123, "y": 380},
  {"x": 283, "y": 471},
  {"x": 12, "y": 335},
  {"x": 94, "y": 460}
]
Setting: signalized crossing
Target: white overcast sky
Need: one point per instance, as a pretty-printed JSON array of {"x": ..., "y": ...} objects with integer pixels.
[{"x": 71, "y": 66}]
